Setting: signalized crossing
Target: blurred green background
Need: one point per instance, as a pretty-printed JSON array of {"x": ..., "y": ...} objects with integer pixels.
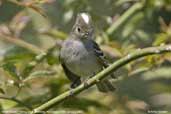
[{"x": 29, "y": 28}]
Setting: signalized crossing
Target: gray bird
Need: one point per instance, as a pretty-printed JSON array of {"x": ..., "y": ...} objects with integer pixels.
[{"x": 81, "y": 57}]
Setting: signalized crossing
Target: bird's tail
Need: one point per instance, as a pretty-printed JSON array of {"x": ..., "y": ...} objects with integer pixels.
[{"x": 105, "y": 86}]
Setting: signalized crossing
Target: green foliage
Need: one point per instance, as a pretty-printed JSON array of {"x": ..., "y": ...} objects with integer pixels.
[
  {"x": 11, "y": 69},
  {"x": 31, "y": 33},
  {"x": 2, "y": 91}
]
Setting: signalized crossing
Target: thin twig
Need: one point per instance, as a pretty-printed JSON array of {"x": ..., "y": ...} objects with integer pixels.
[
  {"x": 21, "y": 43},
  {"x": 17, "y": 101},
  {"x": 39, "y": 58},
  {"x": 122, "y": 19},
  {"x": 31, "y": 5}
]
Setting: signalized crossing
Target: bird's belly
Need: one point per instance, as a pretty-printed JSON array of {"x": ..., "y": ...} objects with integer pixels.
[{"x": 84, "y": 65}]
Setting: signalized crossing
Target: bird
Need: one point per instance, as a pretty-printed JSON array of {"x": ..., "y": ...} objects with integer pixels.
[{"x": 81, "y": 57}]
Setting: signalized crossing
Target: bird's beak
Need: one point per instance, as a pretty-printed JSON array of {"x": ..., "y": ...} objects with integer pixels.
[{"x": 86, "y": 35}]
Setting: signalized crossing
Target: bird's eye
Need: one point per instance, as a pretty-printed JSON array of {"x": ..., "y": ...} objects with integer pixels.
[{"x": 78, "y": 29}]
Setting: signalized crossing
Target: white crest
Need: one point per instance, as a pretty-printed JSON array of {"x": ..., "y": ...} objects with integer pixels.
[{"x": 85, "y": 17}]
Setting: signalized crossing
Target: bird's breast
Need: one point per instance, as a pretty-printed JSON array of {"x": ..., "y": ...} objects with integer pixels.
[
  {"x": 79, "y": 59},
  {"x": 74, "y": 51}
]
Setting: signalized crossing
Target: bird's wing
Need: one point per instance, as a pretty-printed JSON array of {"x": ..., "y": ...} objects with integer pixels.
[
  {"x": 71, "y": 76},
  {"x": 99, "y": 54}
]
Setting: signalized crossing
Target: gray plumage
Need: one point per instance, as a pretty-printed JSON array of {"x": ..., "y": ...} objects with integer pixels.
[{"x": 81, "y": 57}]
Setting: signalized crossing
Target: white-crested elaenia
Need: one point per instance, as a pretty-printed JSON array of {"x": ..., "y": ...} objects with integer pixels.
[{"x": 81, "y": 57}]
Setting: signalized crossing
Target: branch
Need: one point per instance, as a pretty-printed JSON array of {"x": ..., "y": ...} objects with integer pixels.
[
  {"x": 31, "y": 5},
  {"x": 40, "y": 54},
  {"x": 39, "y": 58},
  {"x": 122, "y": 19},
  {"x": 21, "y": 43},
  {"x": 116, "y": 65}
]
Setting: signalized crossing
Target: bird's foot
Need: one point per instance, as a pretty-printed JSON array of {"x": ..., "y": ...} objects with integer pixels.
[
  {"x": 86, "y": 80},
  {"x": 85, "y": 83},
  {"x": 71, "y": 92}
]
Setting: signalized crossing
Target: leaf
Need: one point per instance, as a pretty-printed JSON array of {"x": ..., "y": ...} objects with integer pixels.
[
  {"x": 16, "y": 54},
  {"x": 163, "y": 73},
  {"x": 52, "y": 58},
  {"x": 40, "y": 74},
  {"x": 2, "y": 91},
  {"x": 11, "y": 69},
  {"x": 160, "y": 38}
]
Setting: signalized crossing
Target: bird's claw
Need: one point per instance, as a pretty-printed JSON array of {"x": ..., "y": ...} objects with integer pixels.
[
  {"x": 85, "y": 82},
  {"x": 71, "y": 92}
]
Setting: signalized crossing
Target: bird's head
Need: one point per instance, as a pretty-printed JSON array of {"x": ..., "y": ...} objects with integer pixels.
[{"x": 83, "y": 27}]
